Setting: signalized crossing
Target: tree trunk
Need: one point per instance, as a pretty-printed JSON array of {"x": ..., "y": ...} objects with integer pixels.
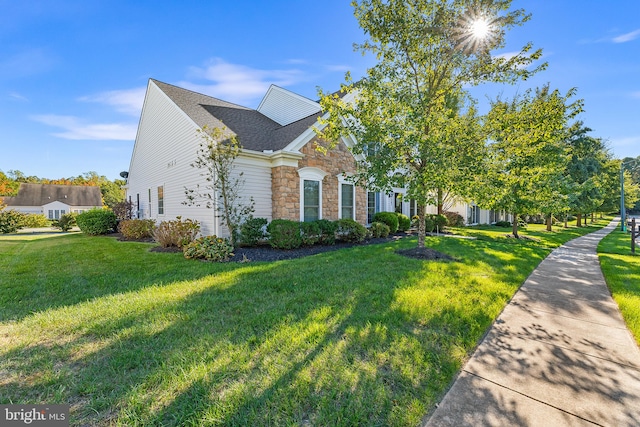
[
  {"x": 422, "y": 227},
  {"x": 566, "y": 220},
  {"x": 592, "y": 217},
  {"x": 579, "y": 220},
  {"x": 514, "y": 226},
  {"x": 440, "y": 201},
  {"x": 549, "y": 221}
]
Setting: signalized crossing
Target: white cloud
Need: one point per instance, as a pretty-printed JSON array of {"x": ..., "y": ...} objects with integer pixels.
[
  {"x": 19, "y": 97},
  {"x": 635, "y": 94},
  {"x": 76, "y": 129},
  {"x": 128, "y": 101},
  {"x": 26, "y": 63},
  {"x": 338, "y": 67},
  {"x": 627, "y": 37},
  {"x": 237, "y": 83}
]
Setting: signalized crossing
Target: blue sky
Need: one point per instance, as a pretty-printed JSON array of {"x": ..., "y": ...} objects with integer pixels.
[{"x": 73, "y": 73}]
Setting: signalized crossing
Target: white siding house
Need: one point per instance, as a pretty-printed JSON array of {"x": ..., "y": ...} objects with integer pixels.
[
  {"x": 54, "y": 200},
  {"x": 275, "y": 142}
]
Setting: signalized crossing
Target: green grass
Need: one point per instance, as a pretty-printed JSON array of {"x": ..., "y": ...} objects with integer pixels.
[
  {"x": 621, "y": 270},
  {"x": 360, "y": 336}
]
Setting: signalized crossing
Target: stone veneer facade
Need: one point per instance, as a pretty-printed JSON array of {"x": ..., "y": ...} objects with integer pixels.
[{"x": 285, "y": 183}]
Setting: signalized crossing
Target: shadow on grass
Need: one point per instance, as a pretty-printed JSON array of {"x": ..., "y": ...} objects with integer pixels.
[{"x": 354, "y": 337}]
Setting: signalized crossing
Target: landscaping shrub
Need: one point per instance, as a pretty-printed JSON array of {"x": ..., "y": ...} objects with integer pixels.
[
  {"x": 440, "y": 222},
  {"x": 284, "y": 234},
  {"x": 136, "y": 229},
  {"x": 123, "y": 210},
  {"x": 389, "y": 218},
  {"x": 454, "y": 219},
  {"x": 503, "y": 224},
  {"x": 404, "y": 223},
  {"x": 429, "y": 223},
  {"x": 97, "y": 221},
  {"x": 327, "y": 231},
  {"x": 11, "y": 221},
  {"x": 36, "y": 221},
  {"x": 311, "y": 232},
  {"x": 379, "y": 229},
  {"x": 66, "y": 221},
  {"x": 177, "y": 232},
  {"x": 210, "y": 248},
  {"x": 252, "y": 231},
  {"x": 351, "y": 231}
]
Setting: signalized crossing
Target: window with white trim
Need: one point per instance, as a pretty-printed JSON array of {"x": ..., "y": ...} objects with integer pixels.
[
  {"x": 311, "y": 193},
  {"x": 161, "y": 200},
  {"x": 311, "y": 199},
  {"x": 347, "y": 201}
]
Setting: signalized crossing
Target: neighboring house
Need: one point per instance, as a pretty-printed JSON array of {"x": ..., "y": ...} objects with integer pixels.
[
  {"x": 54, "y": 200},
  {"x": 282, "y": 170}
]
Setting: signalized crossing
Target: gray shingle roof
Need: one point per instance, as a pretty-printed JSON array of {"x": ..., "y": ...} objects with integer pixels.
[
  {"x": 254, "y": 130},
  {"x": 42, "y": 194}
]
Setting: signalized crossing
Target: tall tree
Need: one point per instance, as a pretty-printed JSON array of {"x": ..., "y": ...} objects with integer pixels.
[
  {"x": 412, "y": 123},
  {"x": 527, "y": 153},
  {"x": 588, "y": 157}
]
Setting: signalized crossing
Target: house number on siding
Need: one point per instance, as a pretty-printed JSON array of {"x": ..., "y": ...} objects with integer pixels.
[{"x": 172, "y": 163}]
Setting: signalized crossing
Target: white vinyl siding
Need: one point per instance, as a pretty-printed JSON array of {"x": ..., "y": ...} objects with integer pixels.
[
  {"x": 285, "y": 107},
  {"x": 166, "y": 146}
]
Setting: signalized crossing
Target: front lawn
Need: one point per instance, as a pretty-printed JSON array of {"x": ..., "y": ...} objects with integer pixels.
[
  {"x": 621, "y": 270},
  {"x": 359, "y": 336}
]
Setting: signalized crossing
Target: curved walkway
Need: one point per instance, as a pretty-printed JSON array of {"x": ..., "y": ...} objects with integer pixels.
[{"x": 558, "y": 355}]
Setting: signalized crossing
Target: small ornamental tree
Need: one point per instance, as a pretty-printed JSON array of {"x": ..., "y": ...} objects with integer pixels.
[{"x": 223, "y": 192}]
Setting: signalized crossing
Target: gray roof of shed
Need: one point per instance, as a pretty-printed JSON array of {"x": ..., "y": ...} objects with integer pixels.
[
  {"x": 42, "y": 194},
  {"x": 254, "y": 130}
]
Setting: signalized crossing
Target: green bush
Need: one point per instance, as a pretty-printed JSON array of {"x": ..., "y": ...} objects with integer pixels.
[
  {"x": 66, "y": 221},
  {"x": 252, "y": 231},
  {"x": 210, "y": 248},
  {"x": 97, "y": 221},
  {"x": 389, "y": 218},
  {"x": 11, "y": 221},
  {"x": 177, "y": 232},
  {"x": 284, "y": 234},
  {"x": 440, "y": 222},
  {"x": 503, "y": 224},
  {"x": 136, "y": 229},
  {"x": 311, "y": 232},
  {"x": 351, "y": 231},
  {"x": 36, "y": 221},
  {"x": 454, "y": 219},
  {"x": 379, "y": 229},
  {"x": 327, "y": 231},
  {"x": 404, "y": 223}
]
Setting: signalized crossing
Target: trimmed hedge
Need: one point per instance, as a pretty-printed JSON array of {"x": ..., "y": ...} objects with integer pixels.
[
  {"x": 97, "y": 221},
  {"x": 284, "y": 234},
  {"x": 404, "y": 223},
  {"x": 379, "y": 229},
  {"x": 389, "y": 218},
  {"x": 351, "y": 231},
  {"x": 253, "y": 231}
]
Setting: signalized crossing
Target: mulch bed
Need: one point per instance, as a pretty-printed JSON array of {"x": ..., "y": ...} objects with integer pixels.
[{"x": 267, "y": 253}]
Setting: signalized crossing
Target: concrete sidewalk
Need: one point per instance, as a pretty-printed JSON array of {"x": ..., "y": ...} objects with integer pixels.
[{"x": 558, "y": 355}]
